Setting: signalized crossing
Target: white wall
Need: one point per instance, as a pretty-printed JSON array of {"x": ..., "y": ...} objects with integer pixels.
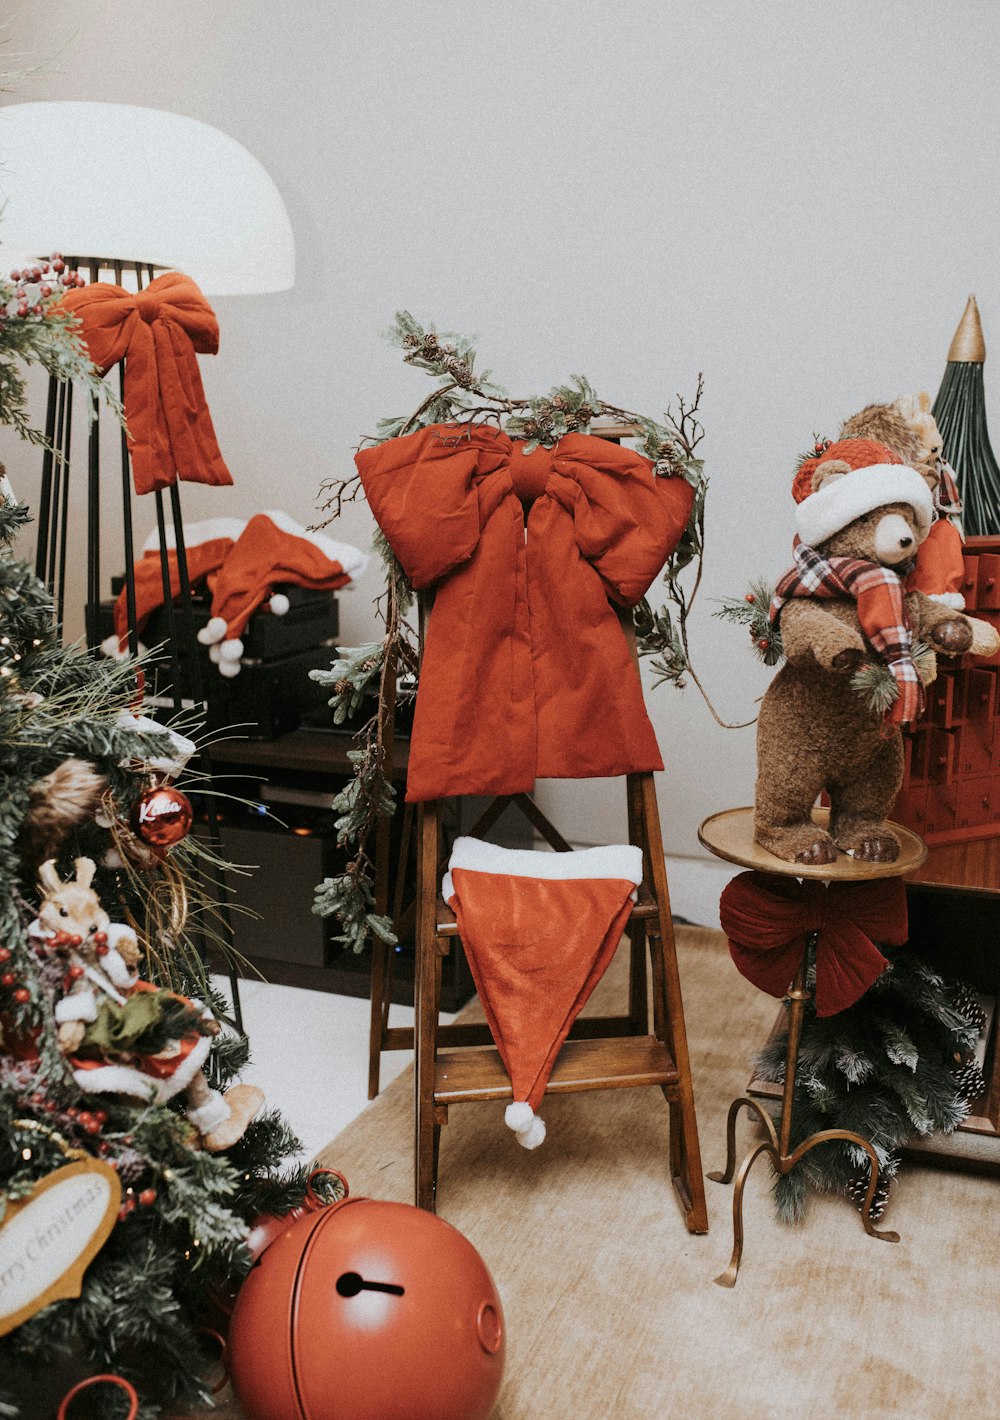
[{"x": 795, "y": 198}]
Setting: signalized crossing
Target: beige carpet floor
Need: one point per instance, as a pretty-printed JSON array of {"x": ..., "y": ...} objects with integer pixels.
[{"x": 611, "y": 1310}]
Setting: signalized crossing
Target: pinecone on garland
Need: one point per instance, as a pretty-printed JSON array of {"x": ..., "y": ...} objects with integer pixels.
[
  {"x": 970, "y": 1082},
  {"x": 967, "y": 1004},
  {"x": 857, "y": 1191}
]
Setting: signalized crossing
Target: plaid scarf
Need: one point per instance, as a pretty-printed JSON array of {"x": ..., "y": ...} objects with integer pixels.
[
  {"x": 947, "y": 498},
  {"x": 878, "y": 592}
]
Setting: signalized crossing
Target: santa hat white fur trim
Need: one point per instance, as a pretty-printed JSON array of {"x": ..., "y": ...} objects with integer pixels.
[
  {"x": 208, "y": 1116},
  {"x": 352, "y": 559},
  {"x": 852, "y": 495},
  {"x": 617, "y": 860},
  {"x": 195, "y": 534},
  {"x": 127, "y": 1080},
  {"x": 953, "y": 600}
]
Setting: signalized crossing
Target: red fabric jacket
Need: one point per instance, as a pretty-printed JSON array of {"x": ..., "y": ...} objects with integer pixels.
[{"x": 526, "y": 671}]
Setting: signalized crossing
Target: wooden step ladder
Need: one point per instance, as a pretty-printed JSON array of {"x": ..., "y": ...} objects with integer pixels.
[{"x": 458, "y": 1063}]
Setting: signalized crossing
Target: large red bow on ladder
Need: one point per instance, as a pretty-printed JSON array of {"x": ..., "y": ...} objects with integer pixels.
[
  {"x": 768, "y": 919},
  {"x": 157, "y": 332}
]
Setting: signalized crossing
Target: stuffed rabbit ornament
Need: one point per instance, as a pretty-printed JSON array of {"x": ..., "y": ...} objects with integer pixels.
[{"x": 107, "y": 1015}]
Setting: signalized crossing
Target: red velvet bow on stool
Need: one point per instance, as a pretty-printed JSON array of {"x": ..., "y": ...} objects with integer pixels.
[
  {"x": 156, "y": 332},
  {"x": 768, "y": 919}
]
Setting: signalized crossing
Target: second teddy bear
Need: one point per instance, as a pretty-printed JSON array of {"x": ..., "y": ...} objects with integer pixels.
[{"x": 861, "y": 516}]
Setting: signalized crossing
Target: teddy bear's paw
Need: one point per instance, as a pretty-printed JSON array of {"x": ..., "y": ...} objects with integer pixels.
[
  {"x": 823, "y": 850},
  {"x": 953, "y": 636},
  {"x": 881, "y": 847},
  {"x": 985, "y": 638}
]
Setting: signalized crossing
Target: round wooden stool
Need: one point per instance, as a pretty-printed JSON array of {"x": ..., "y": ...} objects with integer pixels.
[{"x": 729, "y": 835}]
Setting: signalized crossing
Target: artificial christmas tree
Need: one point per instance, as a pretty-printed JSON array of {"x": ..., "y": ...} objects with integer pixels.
[{"x": 169, "y": 1249}]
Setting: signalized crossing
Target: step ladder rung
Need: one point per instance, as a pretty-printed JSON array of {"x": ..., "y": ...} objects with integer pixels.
[{"x": 478, "y": 1073}]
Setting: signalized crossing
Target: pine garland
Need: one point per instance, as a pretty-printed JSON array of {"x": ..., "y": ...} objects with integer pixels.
[{"x": 462, "y": 396}]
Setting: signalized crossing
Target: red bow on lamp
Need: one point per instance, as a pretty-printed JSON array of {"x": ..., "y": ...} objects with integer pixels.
[
  {"x": 768, "y": 919},
  {"x": 157, "y": 332}
]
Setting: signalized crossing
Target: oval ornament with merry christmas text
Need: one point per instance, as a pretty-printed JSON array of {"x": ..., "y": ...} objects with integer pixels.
[{"x": 49, "y": 1238}]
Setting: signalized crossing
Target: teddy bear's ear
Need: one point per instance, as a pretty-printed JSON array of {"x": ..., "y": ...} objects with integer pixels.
[{"x": 828, "y": 471}]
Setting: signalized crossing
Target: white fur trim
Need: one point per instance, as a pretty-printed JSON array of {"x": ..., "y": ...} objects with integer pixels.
[
  {"x": 954, "y": 600},
  {"x": 213, "y": 630},
  {"x": 118, "y": 1080},
  {"x": 351, "y": 558},
  {"x": 197, "y": 533},
  {"x": 215, "y": 653},
  {"x": 617, "y": 860},
  {"x": 111, "y": 647},
  {"x": 78, "y": 1006},
  {"x": 231, "y": 650},
  {"x": 127, "y": 1080},
  {"x": 279, "y": 604},
  {"x": 208, "y": 1116},
  {"x": 518, "y": 1116},
  {"x": 230, "y": 668},
  {"x": 863, "y": 490},
  {"x": 113, "y": 963}
]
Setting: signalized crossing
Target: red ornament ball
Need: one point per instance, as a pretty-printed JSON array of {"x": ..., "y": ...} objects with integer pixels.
[
  {"x": 22, "y": 995},
  {"x": 368, "y": 1311},
  {"x": 161, "y": 816}
]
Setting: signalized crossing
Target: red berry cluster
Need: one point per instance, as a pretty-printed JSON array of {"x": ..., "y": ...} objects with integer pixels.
[
  {"x": 8, "y": 980},
  {"x": 35, "y": 284},
  {"x": 145, "y": 1199}
]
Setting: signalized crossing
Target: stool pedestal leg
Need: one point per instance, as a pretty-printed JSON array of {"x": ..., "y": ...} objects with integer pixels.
[{"x": 776, "y": 1145}]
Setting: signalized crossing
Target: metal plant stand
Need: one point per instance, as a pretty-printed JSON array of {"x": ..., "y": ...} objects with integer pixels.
[
  {"x": 729, "y": 835},
  {"x": 51, "y": 554}
]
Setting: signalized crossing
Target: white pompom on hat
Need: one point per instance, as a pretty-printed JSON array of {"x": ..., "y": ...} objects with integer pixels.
[{"x": 877, "y": 477}]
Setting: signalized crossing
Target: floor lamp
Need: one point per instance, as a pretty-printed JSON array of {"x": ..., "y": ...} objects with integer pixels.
[{"x": 124, "y": 193}]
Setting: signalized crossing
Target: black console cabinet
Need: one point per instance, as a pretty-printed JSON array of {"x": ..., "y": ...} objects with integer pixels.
[{"x": 289, "y": 846}]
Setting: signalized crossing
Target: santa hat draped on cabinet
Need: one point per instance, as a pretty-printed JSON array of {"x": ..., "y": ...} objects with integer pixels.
[
  {"x": 272, "y": 551},
  {"x": 539, "y": 930}
]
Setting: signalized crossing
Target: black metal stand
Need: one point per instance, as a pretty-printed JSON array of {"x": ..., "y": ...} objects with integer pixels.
[{"x": 50, "y": 567}]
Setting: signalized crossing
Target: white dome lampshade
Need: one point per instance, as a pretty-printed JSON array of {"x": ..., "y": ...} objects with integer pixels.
[{"x": 133, "y": 184}]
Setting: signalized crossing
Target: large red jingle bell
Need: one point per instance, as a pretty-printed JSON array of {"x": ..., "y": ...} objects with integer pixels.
[
  {"x": 368, "y": 1311},
  {"x": 161, "y": 816}
]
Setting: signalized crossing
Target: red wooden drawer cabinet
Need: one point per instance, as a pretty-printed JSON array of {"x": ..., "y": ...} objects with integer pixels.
[{"x": 951, "y": 788}]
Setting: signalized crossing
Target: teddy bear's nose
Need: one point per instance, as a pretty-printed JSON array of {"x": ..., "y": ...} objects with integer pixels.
[{"x": 906, "y": 542}]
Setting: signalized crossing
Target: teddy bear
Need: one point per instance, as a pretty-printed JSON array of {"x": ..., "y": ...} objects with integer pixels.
[
  {"x": 861, "y": 516},
  {"x": 105, "y": 1010},
  {"x": 908, "y": 427}
]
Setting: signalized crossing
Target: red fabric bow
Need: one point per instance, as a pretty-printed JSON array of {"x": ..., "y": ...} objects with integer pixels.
[
  {"x": 767, "y": 920},
  {"x": 156, "y": 332}
]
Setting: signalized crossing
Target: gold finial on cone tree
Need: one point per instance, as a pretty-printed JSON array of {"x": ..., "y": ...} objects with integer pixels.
[{"x": 968, "y": 346}]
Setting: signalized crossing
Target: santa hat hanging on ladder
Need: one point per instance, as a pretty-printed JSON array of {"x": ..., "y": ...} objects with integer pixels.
[
  {"x": 207, "y": 545},
  {"x": 273, "y": 550},
  {"x": 539, "y": 930}
]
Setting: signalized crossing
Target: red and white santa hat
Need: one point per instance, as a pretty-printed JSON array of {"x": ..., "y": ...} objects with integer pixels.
[
  {"x": 273, "y": 550},
  {"x": 538, "y": 929},
  {"x": 206, "y": 544},
  {"x": 877, "y": 476}
]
